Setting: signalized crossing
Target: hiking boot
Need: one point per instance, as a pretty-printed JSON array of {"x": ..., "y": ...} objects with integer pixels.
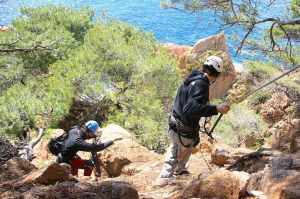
[{"x": 183, "y": 172}]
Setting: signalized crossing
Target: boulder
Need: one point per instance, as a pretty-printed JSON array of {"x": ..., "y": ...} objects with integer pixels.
[
  {"x": 193, "y": 58},
  {"x": 50, "y": 174},
  {"x": 5, "y": 28},
  {"x": 280, "y": 179},
  {"x": 286, "y": 135},
  {"x": 57, "y": 132},
  {"x": 70, "y": 190},
  {"x": 248, "y": 141},
  {"x": 15, "y": 168},
  {"x": 251, "y": 162},
  {"x": 220, "y": 156},
  {"x": 42, "y": 153},
  {"x": 227, "y": 78},
  {"x": 82, "y": 190},
  {"x": 273, "y": 109},
  {"x": 178, "y": 52},
  {"x": 255, "y": 180},
  {"x": 113, "y": 164},
  {"x": 116, "y": 189},
  {"x": 123, "y": 152},
  {"x": 219, "y": 183}
]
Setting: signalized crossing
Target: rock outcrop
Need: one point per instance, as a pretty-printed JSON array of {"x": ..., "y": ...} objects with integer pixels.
[
  {"x": 122, "y": 152},
  {"x": 20, "y": 179},
  {"x": 220, "y": 156},
  {"x": 193, "y": 58},
  {"x": 286, "y": 135},
  {"x": 117, "y": 189},
  {"x": 14, "y": 169},
  {"x": 71, "y": 190},
  {"x": 50, "y": 174},
  {"x": 274, "y": 109},
  {"x": 5, "y": 28},
  {"x": 220, "y": 183},
  {"x": 113, "y": 163},
  {"x": 178, "y": 52},
  {"x": 280, "y": 179}
]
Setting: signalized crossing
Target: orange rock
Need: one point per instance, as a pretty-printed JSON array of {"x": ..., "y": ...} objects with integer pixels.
[
  {"x": 187, "y": 55},
  {"x": 5, "y": 28},
  {"x": 280, "y": 180},
  {"x": 219, "y": 184},
  {"x": 14, "y": 169},
  {"x": 178, "y": 52},
  {"x": 220, "y": 156},
  {"x": 49, "y": 174}
]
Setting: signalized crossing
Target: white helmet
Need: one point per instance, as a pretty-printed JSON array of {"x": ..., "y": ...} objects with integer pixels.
[{"x": 215, "y": 62}]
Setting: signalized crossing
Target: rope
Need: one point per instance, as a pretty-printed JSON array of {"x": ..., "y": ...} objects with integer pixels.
[
  {"x": 252, "y": 92},
  {"x": 205, "y": 160}
]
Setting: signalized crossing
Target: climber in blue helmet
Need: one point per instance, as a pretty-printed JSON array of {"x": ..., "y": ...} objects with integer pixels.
[
  {"x": 92, "y": 126},
  {"x": 76, "y": 142}
]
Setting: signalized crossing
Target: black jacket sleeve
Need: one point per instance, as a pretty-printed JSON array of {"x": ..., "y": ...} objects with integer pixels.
[
  {"x": 196, "y": 104},
  {"x": 82, "y": 145}
]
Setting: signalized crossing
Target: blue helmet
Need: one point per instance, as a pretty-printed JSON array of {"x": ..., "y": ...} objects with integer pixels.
[{"x": 92, "y": 125}]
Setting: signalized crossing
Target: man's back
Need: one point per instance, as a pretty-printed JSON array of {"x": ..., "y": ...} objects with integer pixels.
[
  {"x": 191, "y": 100},
  {"x": 70, "y": 145}
]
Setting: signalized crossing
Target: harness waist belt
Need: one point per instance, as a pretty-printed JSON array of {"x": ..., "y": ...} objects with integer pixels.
[{"x": 182, "y": 129}]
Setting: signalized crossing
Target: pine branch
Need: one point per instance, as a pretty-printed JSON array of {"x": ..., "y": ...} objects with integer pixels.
[{"x": 30, "y": 49}]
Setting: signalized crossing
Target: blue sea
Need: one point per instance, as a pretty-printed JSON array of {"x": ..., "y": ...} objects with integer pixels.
[{"x": 167, "y": 25}]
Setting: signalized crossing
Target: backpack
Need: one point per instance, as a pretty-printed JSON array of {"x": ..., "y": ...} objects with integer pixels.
[{"x": 55, "y": 144}]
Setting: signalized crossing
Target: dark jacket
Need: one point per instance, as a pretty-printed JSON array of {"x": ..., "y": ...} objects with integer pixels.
[
  {"x": 191, "y": 102},
  {"x": 75, "y": 142}
]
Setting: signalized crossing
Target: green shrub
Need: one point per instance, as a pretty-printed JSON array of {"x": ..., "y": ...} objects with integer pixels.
[
  {"x": 262, "y": 70},
  {"x": 30, "y": 96},
  {"x": 239, "y": 122},
  {"x": 260, "y": 97},
  {"x": 295, "y": 4},
  {"x": 48, "y": 134},
  {"x": 287, "y": 82},
  {"x": 95, "y": 61},
  {"x": 17, "y": 110}
]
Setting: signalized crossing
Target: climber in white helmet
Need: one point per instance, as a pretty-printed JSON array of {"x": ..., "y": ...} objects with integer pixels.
[{"x": 191, "y": 103}]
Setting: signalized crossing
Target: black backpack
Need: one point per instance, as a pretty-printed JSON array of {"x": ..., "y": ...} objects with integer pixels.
[{"x": 55, "y": 144}]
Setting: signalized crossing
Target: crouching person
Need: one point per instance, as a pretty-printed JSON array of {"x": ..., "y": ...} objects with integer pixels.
[{"x": 76, "y": 142}]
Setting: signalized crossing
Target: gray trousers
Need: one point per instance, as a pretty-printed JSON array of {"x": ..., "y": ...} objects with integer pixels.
[{"x": 171, "y": 163}]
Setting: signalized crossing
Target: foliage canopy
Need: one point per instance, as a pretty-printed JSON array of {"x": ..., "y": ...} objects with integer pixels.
[{"x": 85, "y": 60}]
